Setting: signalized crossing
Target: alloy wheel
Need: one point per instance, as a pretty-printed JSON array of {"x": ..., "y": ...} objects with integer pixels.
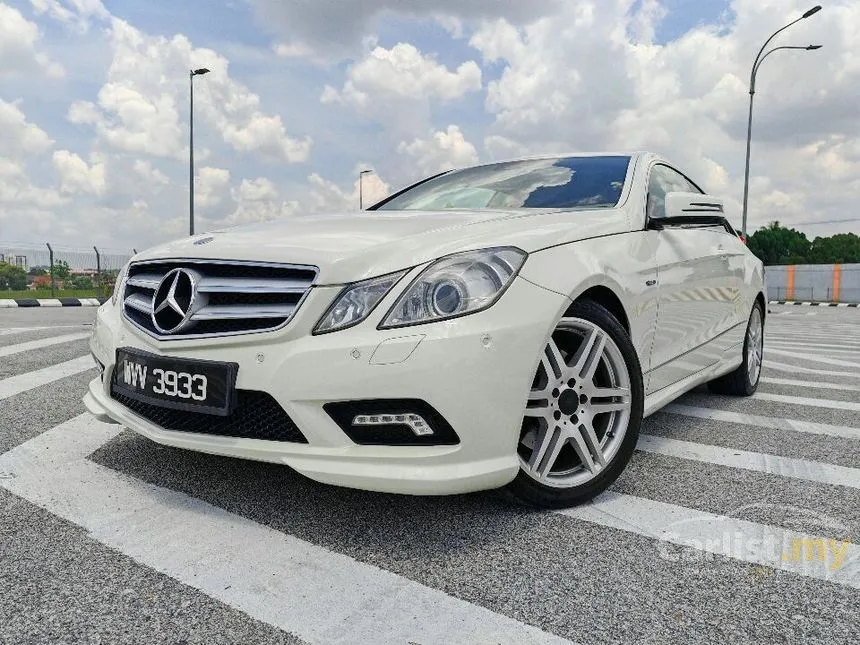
[
  {"x": 755, "y": 342},
  {"x": 578, "y": 409}
]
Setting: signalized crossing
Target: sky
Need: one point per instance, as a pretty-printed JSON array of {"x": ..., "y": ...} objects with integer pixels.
[{"x": 303, "y": 94}]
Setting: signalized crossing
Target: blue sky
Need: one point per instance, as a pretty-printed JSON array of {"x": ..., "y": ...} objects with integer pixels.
[{"x": 407, "y": 88}]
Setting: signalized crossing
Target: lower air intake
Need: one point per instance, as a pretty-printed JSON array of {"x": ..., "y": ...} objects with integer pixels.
[{"x": 257, "y": 416}]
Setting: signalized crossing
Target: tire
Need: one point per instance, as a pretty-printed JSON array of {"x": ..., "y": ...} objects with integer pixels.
[
  {"x": 582, "y": 419},
  {"x": 744, "y": 380}
]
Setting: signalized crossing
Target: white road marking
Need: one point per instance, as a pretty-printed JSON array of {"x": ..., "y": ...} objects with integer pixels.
[
  {"x": 807, "y": 401},
  {"x": 812, "y": 471},
  {"x": 301, "y": 588},
  {"x": 8, "y": 350},
  {"x": 801, "y": 340},
  {"x": 742, "y": 540},
  {"x": 818, "y": 349},
  {"x": 23, "y": 382},
  {"x": 812, "y": 357},
  {"x": 24, "y": 330},
  {"x": 795, "y": 425},
  {"x": 788, "y": 367},
  {"x": 821, "y": 385}
]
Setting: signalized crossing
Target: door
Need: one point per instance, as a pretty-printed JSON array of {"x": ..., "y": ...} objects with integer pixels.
[{"x": 696, "y": 298}]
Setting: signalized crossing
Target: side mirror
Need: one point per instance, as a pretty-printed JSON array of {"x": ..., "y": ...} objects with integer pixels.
[{"x": 690, "y": 209}]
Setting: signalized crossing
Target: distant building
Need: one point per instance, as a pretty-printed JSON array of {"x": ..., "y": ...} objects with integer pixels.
[{"x": 20, "y": 261}]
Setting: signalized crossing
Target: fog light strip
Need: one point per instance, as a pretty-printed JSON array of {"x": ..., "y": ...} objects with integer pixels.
[{"x": 415, "y": 421}]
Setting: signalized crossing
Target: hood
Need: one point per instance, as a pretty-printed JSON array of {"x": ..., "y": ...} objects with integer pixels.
[{"x": 353, "y": 246}]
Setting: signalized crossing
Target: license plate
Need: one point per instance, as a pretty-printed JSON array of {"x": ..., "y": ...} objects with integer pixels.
[{"x": 178, "y": 383}]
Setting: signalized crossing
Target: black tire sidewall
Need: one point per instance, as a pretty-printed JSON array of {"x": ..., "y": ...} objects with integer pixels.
[{"x": 532, "y": 492}]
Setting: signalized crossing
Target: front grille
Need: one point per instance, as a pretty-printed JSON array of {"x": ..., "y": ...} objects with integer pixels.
[
  {"x": 257, "y": 416},
  {"x": 231, "y": 297}
]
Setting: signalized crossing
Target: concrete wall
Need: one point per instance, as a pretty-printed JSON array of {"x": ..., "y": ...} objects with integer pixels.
[{"x": 814, "y": 282}]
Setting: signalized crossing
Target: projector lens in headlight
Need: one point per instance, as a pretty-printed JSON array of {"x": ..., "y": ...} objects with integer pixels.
[{"x": 456, "y": 285}]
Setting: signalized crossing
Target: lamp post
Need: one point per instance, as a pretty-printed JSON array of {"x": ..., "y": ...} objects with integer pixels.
[
  {"x": 756, "y": 64},
  {"x": 361, "y": 174},
  {"x": 191, "y": 75}
]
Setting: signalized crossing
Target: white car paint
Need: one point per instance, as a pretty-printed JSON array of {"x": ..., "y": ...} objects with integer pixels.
[{"x": 685, "y": 300}]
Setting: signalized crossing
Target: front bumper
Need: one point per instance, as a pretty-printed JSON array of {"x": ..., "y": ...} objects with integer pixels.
[{"x": 475, "y": 371}]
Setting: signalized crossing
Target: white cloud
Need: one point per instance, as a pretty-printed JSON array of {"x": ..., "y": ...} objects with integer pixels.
[
  {"x": 442, "y": 150},
  {"x": 19, "y": 136},
  {"x": 75, "y": 13},
  {"x": 138, "y": 108},
  {"x": 403, "y": 72},
  {"x": 212, "y": 187},
  {"x": 327, "y": 196},
  {"x": 18, "y": 51},
  {"x": 335, "y": 28},
  {"x": 77, "y": 176},
  {"x": 149, "y": 174}
]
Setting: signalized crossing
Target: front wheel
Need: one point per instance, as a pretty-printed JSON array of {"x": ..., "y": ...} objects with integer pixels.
[{"x": 584, "y": 410}]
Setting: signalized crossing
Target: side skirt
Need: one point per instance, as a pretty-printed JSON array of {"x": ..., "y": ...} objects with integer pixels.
[{"x": 666, "y": 395}]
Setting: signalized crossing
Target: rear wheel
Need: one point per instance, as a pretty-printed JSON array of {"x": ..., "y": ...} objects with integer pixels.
[
  {"x": 584, "y": 411},
  {"x": 744, "y": 380}
]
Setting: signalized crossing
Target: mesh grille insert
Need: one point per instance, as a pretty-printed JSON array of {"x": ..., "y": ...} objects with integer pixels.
[{"x": 257, "y": 416}]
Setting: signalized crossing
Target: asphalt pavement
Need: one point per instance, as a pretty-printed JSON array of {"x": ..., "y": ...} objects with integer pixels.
[{"x": 738, "y": 520}]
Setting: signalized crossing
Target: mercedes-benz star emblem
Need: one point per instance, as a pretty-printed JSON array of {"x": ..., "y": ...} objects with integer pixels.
[{"x": 174, "y": 301}]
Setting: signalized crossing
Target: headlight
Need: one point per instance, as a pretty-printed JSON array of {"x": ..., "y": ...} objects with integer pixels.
[
  {"x": 355, "y": 303},
  {"x": 117, "y": 287},
  {"x": 456, "y": 285}
]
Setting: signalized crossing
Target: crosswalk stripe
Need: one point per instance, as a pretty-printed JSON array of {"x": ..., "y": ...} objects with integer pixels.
[
  {"x": 813, "y": 471},
  {"x": 796, "y": 425},
  {"x": 731, "y": 537},
  {"x": 812, "y": 357},
  {"x": 807, "y": 401},
  {"x": 8, "y": 350},
  {"x": 818, "y": 349},
  {"x": 812, "y": 384},
  {"x": 811, "y": 341},
  {"x": 788, "y": 367},
  {"x": 299, "y": 587},
  {"x": 23, "y": 382}
]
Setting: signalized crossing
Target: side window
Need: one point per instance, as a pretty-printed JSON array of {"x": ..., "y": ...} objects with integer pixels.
[{"x": 666, "y": 180}]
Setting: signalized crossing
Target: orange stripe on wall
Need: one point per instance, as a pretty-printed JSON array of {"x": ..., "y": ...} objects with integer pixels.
[
  {"x": 837, "y": 282},
  {"x": 789, "y": 282}
]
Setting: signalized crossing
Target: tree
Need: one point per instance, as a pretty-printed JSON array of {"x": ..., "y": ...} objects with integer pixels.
[
  {"x": 61, "y": 270},
  {"x": 12, "y": 277},
  {"x": 842, "y": 248},
  {"x": 79, "y": 282},
  {"x": 775, "y": 244}
]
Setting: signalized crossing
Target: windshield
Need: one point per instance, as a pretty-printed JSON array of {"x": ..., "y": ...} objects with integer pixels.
[{"x": 568, "y": 182}]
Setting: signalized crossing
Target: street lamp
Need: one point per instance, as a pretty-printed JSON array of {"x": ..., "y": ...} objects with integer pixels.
[
  {"x": 361, "y": 174},
  {"x": 759, "y": 59},
  {"x": 192, "y": 74}
]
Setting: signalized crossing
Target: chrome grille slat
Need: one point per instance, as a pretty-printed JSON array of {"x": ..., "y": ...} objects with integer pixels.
[
  {"x": 232, "y": 297},
  {"x": 238, "y": 312},
  {"x": 145, "y": 280},
  {"x": 250, "y": 285},
  {"x": 140, "y": 302}
]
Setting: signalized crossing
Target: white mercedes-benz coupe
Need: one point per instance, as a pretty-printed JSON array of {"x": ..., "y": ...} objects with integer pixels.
[{"x": 507, "y": 325}]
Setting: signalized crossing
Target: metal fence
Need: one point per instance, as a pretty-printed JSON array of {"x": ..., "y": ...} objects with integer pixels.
[
  {"x": 814, "y": 282},
  {"x": 33, "y": 270}
]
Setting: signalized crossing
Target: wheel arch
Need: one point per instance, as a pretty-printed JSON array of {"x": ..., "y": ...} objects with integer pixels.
[{"x": 606, "y": 298}]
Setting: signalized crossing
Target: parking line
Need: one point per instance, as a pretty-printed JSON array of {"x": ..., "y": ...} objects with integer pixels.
[
  {"x": 812, "y": 357},
  {"x": 788, "y": 367},
  {"x": 795, "y": 425},
  {"x": 8, "y": 350},
  {"x": 23, "y": 382},
  {"x": 304, "y": 589},
  {"x": 721, "y": 535},
  {"x": 821, "y": 385},
  {"x": 807, "y": 401},
  {"x": 812, "y": 471}
]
